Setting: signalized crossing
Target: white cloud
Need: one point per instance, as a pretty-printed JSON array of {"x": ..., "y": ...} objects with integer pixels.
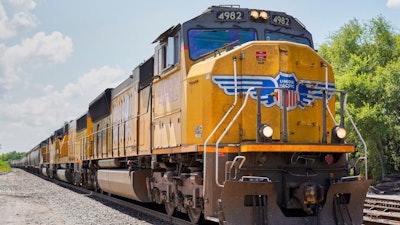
[
  {"x": 36, "y": 51},
  {"x": 93, "y": 83},
  {"x": 54, "y": 104},
  {"x": 35, "y": 118},
  {"x": 6, "y": 28},
  {"x": 393, "y": 3},
  {"x": 55, "y": 47},
  {"x": 22, "y": 4},
  {"x": 21, "y": 17}
]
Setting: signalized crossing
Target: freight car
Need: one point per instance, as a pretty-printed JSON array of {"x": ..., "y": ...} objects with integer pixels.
[
  {"x": 233, "y": 119},
  {"x": 30, "y": 161}
]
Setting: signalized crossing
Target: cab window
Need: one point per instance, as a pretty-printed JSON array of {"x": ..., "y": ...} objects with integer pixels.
[
  {"x": 204, "y": 41},
  {"x": 274, "y": 36}
]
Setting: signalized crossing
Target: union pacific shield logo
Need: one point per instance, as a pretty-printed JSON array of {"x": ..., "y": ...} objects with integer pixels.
[
  {"x": 301, "y": 93},
  {"x": 288, "y": 81}
]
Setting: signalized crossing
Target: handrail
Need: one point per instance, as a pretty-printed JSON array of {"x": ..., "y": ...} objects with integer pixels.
[
  {"x": 224, "y": 133},
  {"x": 343, "y": 102},
  {"x": 284, "y": 133},
  {"x": 222, "y": 119},
  {"x": 330, "y": 113},
  {"x": 325, "y": 104},
  {"x": 359, "y": 136},
  {"x": 234, "y": 164}
]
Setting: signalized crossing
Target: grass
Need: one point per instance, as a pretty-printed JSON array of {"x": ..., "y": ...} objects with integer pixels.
[{"x": 4, "y": 166}]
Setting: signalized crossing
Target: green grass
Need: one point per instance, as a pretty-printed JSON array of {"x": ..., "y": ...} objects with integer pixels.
[{"x": 4, "y": 166}]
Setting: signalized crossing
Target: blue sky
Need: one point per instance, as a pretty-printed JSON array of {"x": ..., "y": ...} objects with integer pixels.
[{"x": 57, "y": 56}]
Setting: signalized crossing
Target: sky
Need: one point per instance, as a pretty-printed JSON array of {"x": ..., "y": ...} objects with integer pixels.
[{"x": 57, "y": 56}]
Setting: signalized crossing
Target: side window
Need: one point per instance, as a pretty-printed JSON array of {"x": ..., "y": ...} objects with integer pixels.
[
  {"x": 176, "y": 49},
  {"x": 161, "y": 52},
  {"x": 167, "y": 53}
]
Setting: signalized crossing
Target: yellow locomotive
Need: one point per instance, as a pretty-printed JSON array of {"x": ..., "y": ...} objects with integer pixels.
[{"x": 232, "y": 119}]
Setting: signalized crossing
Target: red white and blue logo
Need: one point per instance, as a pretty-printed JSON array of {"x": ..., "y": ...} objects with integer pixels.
[{"x": 301, "y": 93}]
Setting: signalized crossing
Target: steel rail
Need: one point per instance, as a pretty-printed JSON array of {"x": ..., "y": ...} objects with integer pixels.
[{"x": 381, "y": 209}]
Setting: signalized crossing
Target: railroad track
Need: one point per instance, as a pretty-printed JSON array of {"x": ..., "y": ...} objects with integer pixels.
[
  {"x": 121, "y": 202},
  {"x": 378, "y": 209},
  {"x": 382, "y": 209}
]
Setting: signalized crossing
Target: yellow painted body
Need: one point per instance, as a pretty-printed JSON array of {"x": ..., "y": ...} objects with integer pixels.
[
  {"x": 89, "y": 146},
  {"x": 62, "y": 145},
  {"x": 102, "y": 137},
  {"x": 72, "y": 143},
  {"x": 124, "y": 122},
  {"x": 80, "y": 145},
  {"x": 144, "y": 122},
  {"x": 167, "y": 113},
  {"x": 207, "y": 103},
  {"x": 45, "y": 155},
  {"x": 187, "y": 106}
]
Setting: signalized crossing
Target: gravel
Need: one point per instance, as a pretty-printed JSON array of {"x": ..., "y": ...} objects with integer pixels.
[{"x": 27, "y": 199}]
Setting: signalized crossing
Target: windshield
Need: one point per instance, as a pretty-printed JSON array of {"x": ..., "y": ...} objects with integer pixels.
[
  {"x": 269, "y": 36},
  {"x": 203, "y": 41}
]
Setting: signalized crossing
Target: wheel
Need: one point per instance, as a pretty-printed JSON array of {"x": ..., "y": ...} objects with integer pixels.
[
  {"x": 170, "y": 208},
  {"x": 156, "y": 195},
  {"x": 194, "y": 215}
]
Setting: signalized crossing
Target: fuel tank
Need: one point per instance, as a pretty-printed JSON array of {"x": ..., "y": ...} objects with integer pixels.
[
  {"x": 61, "y": 175},
  {"x": 129, "y": 184},
  {"x": 44, "y": 172}
]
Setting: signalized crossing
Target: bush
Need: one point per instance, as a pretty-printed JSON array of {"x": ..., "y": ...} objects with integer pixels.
[{"x": 4, "y": 166}]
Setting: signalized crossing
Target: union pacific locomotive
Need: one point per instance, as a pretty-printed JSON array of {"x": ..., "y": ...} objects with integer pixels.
[{"x": 232, "y": 119}]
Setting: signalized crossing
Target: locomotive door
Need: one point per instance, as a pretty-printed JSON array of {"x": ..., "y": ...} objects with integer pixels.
[
  {"x": 167, "y": 112},
  {"x": 125, "y": 113}
]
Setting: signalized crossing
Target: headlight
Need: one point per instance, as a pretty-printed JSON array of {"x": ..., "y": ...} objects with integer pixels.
[
  {"x": 254, "y": 14},
  {"x": 264, "y": 15},
  {"x": 338, "y": 134},
  {"x": 341, "y": 132},
  {"x": 266, "y": 131}
]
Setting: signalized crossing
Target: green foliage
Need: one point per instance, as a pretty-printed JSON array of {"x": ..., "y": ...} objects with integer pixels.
[
  {"x": 4, "y": 166},
  {"x": 11, "y": 156},
  {"x": 345, "y": 43},
  {"x": 366, "y": 61}
]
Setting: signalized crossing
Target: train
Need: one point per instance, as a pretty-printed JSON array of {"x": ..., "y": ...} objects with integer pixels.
[{"x": 234, "y": 119}]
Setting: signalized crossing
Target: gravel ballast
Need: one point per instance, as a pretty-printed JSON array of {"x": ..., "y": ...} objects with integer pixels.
[{"x": 28, "y": 199}]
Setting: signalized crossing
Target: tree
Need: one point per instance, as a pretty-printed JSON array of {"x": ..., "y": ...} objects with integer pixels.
[
  {"x": 11, "y": 156},
  {"x": 366, "y": 61}
]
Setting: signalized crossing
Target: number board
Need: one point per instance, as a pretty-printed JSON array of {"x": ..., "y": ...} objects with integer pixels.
[
  {"x": 230, "y": 15},
  {"x": 281, "y": 20}
]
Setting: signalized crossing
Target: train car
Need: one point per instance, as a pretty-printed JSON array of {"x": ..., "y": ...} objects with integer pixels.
[
  {"x": 234, "y": 112},
  {"x": 100, "y": 112},
  {"x": 61, "y": 145},
  {"x": 30, "y": 161},
  {"x": 18, "y": 163},
  {"x": 84, "y": 169},
  {"x": 33, "y": 159},
  {"x": 44, "y": 160},
  {"x": 244, "y": 121}
]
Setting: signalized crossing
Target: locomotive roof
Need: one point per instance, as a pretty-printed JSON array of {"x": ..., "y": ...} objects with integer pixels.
[{"x": 214, "y": 17}]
